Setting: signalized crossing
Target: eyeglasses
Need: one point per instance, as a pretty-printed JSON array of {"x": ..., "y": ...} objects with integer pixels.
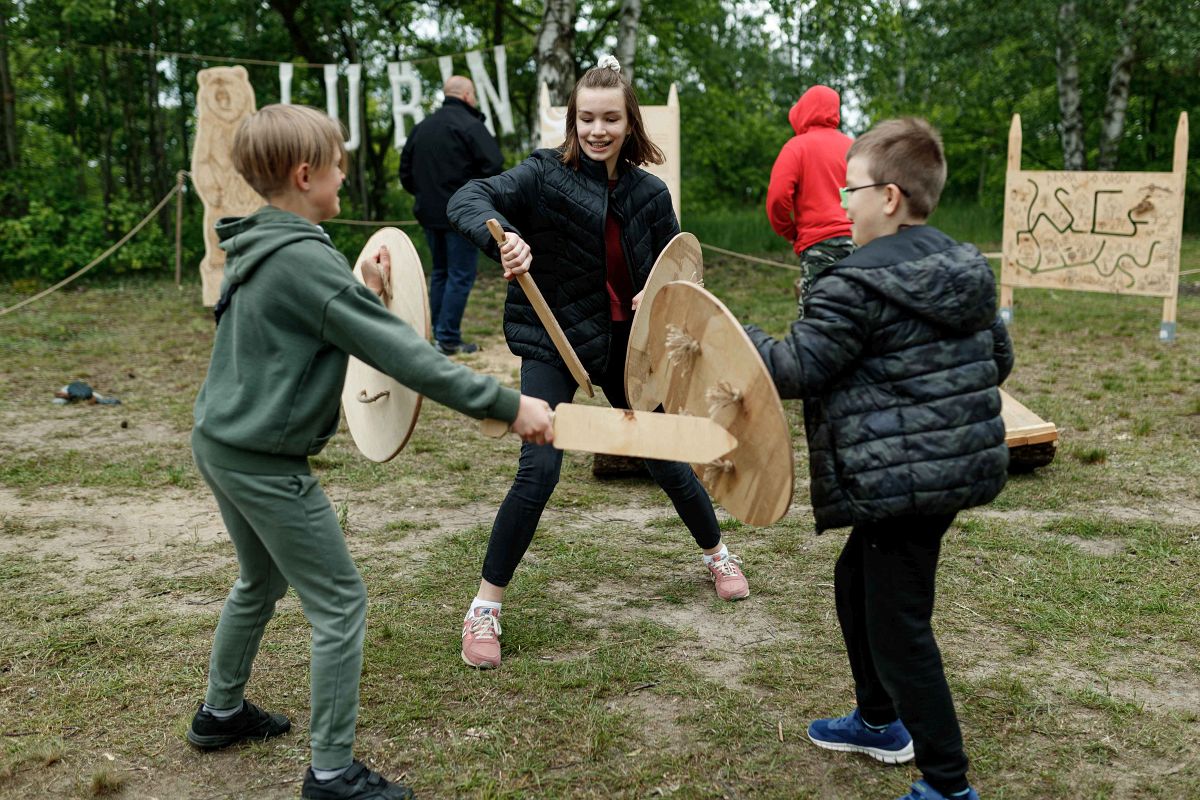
[{"x": 846, "y": 191}]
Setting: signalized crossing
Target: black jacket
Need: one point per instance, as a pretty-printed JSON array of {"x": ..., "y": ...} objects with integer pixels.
[
  {"x": 442, "y": 153},
  {"x": 898, "y": 359},
  {"x": 560, "y": 212}
]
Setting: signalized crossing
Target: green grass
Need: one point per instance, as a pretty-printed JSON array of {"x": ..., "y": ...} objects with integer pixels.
[
  {"x": 745, "y": 230},
  {"x": 1066, "y": 609}
]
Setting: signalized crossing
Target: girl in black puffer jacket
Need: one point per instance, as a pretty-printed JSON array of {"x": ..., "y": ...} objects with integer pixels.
[{"x": 595, "y": 222}]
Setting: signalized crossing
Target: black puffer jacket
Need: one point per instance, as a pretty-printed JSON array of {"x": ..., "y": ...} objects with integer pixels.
[
  {"x": 898, "y": 360},
  {"x": 560, "y": 212},
  {"x": 442, "y": 153}
]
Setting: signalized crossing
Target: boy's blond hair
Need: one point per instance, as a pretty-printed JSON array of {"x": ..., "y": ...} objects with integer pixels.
[
  {"x": 906, "y": 152},
  {"x": 274, "y": 140}
]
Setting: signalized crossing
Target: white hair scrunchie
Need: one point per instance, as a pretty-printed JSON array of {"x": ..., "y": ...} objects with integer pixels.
[{"x": 609, "y": 62}]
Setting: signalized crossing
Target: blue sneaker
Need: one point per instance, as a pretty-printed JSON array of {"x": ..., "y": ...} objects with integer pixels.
[
  {"x": 923, "y": 791},
  {"x": 893, "y": 745}
]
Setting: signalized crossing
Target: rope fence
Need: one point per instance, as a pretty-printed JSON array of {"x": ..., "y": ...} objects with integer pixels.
[
  {"x": 120, "y": 243},
  {"x": 178, "y": 190},
  {"x": 259, "y": 62},
  {"x": 745, "y": 257},
  {"x": 382, "y": 223}
]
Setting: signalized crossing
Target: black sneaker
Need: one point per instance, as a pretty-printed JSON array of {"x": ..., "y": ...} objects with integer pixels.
[
  {"x": 209, "y": 733},
  {"x": 356, "y": 783},
  {"x": 453, "y": 350}
]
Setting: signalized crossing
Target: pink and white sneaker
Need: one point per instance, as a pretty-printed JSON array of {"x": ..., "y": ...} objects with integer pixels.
[
  {"x": 481, "y": 638},
  {"x": 727, "y": 576}
]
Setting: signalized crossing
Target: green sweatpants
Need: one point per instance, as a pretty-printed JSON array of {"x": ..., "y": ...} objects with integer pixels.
[{"x": 286, "y": 532}]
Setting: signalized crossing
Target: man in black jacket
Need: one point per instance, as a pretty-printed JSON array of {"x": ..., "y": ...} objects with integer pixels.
[{"x": 443, "y": 153}]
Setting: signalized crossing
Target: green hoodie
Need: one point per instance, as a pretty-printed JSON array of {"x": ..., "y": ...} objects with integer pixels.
[{"x": 279, "y": 359}]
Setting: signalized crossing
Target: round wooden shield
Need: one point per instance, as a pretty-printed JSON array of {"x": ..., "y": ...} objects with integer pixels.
[
  {"x": 380, "y": 411},
  {"x": 680, "y": 260},
  {"x": 708, "y": 367}
]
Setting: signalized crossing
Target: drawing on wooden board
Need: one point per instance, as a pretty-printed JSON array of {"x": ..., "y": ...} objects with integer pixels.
[
  {"x": 1116, "y": 232},
  {"x": 1121, "y": 235}
]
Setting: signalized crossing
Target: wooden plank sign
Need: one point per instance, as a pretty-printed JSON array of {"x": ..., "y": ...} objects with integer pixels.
[
  {"x": 713, "y": 370},
  {"x": 680, "y": 260},
  {"x": 1116, "y": 232},
  {"x": 380, "y": 411}
]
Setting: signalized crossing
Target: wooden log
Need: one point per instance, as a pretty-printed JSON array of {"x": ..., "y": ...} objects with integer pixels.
[{"x": 1032, "y": 441}]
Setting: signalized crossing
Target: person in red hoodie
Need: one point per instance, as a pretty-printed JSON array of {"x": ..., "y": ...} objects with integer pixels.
[{"x": 803, "y": 203}]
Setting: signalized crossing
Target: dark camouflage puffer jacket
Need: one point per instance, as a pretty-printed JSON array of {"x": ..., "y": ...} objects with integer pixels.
[
  {"x": 898, "y": 360},
  {"x": 560, "y": 212}
]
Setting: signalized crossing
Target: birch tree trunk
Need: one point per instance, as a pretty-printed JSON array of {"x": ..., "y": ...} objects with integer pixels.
[
  {"x": 1069, "y": 98},
  {"x": 627, "y": 29},
  {"x": 9, "y": 154},
  {"x": 106, "y": 138},
  {"x": 556, "y": 48},
  {"x": 1113, "y": 124},
  {"x": 157, "y": 136}
]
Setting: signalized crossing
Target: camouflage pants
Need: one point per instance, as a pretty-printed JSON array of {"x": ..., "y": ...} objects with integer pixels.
[{"x": 814, "y": 260}]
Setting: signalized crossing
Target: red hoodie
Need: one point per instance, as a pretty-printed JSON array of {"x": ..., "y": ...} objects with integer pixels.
[{"x": 802, "y": 199}]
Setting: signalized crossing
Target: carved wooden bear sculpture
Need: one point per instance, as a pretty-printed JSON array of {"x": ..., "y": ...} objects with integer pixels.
[{"x": 224, "y": 99}]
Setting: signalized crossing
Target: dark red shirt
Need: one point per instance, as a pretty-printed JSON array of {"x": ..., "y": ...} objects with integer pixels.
[{"x": 619, "y": 282}]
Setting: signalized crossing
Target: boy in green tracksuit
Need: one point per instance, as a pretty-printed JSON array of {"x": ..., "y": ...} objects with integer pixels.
[{"x": 290, "y": 314}]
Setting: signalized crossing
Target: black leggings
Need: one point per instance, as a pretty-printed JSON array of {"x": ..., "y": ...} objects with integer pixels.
[
  {"x": 884, "y": 589},
  {"x": 537, "y": 472}
]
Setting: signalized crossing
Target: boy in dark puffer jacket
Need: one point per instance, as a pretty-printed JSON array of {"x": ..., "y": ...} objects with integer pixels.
[{"x": 898, "y": 360}]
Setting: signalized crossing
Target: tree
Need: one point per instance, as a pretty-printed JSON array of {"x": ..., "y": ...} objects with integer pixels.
[
  {"x": 1069, "y": 99},
  {"x": 1117, "y": 101},
  {"x": 627, "y": 32},
  {"x": 9, "y": 154},
  {"x": 556, "y": 50}
]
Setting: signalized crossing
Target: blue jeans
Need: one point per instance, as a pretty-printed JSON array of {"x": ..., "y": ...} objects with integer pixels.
[{"x": 454, "y": 265}]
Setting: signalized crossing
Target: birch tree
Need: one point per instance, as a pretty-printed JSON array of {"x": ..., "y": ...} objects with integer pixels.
[
  {"x": 556, "y": 48},
  {"x": 1070, "y": 99},
  {"x": 1117, "y": 99},
  {"x": 627, "y": 30}
]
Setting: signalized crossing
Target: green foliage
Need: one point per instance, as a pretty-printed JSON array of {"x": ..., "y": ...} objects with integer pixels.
[
  {"x": 103, "y": 129},
  {"x": 52, "y": 240}
]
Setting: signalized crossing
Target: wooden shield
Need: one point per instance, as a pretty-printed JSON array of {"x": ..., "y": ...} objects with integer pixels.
[
  {"x": 380, "y": 411},
  {"x": 708, "y": 367},
  {"x": 680, "y": 260}
]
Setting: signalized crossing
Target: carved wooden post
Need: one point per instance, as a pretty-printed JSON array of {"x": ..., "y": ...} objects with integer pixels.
[
  {"x": 1166, "y": 332},
  {"x": 224, "y": 98},
  {"x": 1010, "y": 176}
]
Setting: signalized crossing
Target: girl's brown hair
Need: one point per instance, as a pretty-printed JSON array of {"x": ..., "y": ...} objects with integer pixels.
[{"x": 637, "y": 149}]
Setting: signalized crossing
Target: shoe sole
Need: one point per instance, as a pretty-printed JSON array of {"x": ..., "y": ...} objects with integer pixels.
[
  {"x": 483, "y": 665},
  {"x": 735, "y": 597},
  {"x": 217, "y": 741},
  {"x": 886, "y": 756}
]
